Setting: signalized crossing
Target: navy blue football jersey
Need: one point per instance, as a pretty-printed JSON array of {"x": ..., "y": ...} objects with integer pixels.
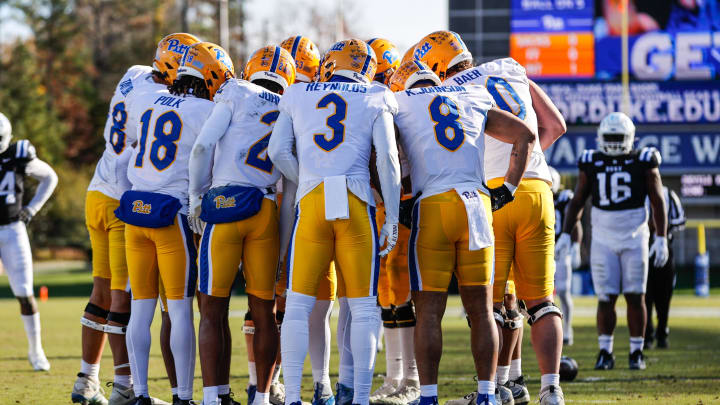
[
  {"x": 12, "y": 179},
  {"x": 562, "y": 198},
  {"x": 618, "y": 182}
]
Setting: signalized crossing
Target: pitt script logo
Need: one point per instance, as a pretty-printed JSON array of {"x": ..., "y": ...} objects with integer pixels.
[
  {"x": 222, "y": 202},
  {"x": 140, "y": 207}
]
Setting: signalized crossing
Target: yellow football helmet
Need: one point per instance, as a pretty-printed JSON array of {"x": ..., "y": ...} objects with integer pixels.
[
  {"x": 271, "y": 63},
  {"x": 209, "y": 62},
  {"x": 409, "y": 55},
  {"x": 306, "y": 55},
  {"x": 352, "y": 58},
  {"x": 170, "y": 51},
  {"x": 442, "y": 50},
  {"x": 410, "y": 73},
  {"x": 388, "y": 58}
]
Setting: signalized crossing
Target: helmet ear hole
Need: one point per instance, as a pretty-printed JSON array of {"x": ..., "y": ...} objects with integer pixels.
[
  {"x": 214, "y": 75},
  {"x": 169, "y": 66}
]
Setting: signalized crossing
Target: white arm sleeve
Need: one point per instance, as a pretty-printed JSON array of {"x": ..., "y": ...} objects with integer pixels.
[
  {"x": 287, "y": 214},
  {"x": 280, "y": 148},
  {"x": 201, "y": 157},
  {"x": 42, "y": 172},
  {"x": 388, "y": 165}
]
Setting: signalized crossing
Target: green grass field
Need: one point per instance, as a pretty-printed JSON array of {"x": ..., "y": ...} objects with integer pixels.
[{"x": 686, "y": 373}]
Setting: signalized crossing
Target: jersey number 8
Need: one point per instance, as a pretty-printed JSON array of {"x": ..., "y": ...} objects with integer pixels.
[
  {"x": 168, "y": 128},
  {"x": 446, "y": 119},
  {"x": 117, "y": 132}
]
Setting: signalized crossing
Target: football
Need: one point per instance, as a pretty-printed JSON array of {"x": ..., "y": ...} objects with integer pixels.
[{"x": 568, "y": 368}]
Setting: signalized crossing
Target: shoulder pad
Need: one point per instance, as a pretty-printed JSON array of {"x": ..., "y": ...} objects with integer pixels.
[
  {"x": 24, "y": 150},
  {"x": 229, "y": 90},
  {"x": 650, "y": 155},
  {"x": 127, "y": 83},
  {"x": 503, "y": 67},
  {"x": 587, "y": 156},
  {"x": 565, "y": 195}
]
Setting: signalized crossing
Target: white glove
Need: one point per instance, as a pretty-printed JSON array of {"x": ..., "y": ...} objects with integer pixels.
[
  {"x": 196, "y": 224},
  {"x": 575, "y": 258},
  {"x": 562, "y": 245},
  {"x": 26, "y": 215},
  {"x": 389, "y": 233},
  {"x": 659, "y": 248}
]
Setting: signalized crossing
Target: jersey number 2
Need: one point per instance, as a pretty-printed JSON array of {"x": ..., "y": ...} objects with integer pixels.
[
  {"x": 334, "y": 122},
  {"x": 253, "y": 157},
  {"x": 168, "y": 128}
]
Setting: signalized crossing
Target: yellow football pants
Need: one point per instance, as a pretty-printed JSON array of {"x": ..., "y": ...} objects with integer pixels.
[
  {"x": 394, "y": 280},
  {"x": 107, "y": 239}
]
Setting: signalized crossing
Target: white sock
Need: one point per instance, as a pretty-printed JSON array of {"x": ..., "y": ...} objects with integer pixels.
[
  {"x": 503, "y": 374},
  {"x": 261, "y": 398},
  {"x": 92, "y": 370},
  {"x": 182, "y": 343},
  {"x": 428, "y": 390},
  {"x": 173, "y": 390},
  {"x": 407, "y": 338},
  {"x": 606, "y": 342},
  {"x": 515, "y": 369},
  {"x": 485, "y": 387},
  {"x": 636, "y": 343},
  {"x": 549, "y": 379},
  {"x": 252, "y": 373},
  {"x": 276, "y": 374},
  {"x": 32, "y": 330},
  {"x": 124, "y": 380},
  {"x": 294, "y": 342},
  {"x": 137, "y": 338},
  {"x": 346, "y": 373},
  {"x": 365, "y": 323},
  {"x": 319, "y": 345},
  {"x": 223, "y": 389},
  {"x": 393, "y": 354},
  {"x": 210, "y": 395}
]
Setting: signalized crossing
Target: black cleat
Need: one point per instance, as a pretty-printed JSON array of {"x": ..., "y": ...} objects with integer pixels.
[
  {"x": 637, "y": 360},
  {"x": 143, "y": 400},
  {"x": 662, "y": 342},
  {"x": 227, "y": 399},
  {"x": 605, "y": 361}
]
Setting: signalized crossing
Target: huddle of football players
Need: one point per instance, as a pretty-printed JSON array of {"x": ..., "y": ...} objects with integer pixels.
[{"x": 354, "y": 176}]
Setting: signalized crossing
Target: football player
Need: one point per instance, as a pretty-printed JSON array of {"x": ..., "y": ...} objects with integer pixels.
[
  {"x": 307, "y": 64},
  {"x": 564, "y": 265},
  {"x": 524, "y": 230},
  {"x": 18, "y": 160},
  {"x": 619, "y": 178},
  {"x": 236, "y": 197},
  {"x": 335, "y": 213},
  {"x": 108, "y": 310},
  {"x": 157, "y": 233},
  {"x": 401, "y": 384},
  {"x": 442, "y": 132}
]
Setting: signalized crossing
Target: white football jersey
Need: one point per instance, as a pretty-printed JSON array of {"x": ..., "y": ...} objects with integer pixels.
[
  {"x": 333, "y": 126},
  {"x": 507, "y": 83},
  {"x": 241, "y": 156},
  {"x": 110, "y": 176},
  {"x": 442, "y": 133},
  {"x": 167, "y": 127}
]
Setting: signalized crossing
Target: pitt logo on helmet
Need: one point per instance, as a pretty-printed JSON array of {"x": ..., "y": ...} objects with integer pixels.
[
  {"x": 222, "y": 202},
  {"x": 208, "y": 62},
  {"x": 353, "y": 59},
  {"x": 141, "y": 208},
  {"x": 389, "y": 61},
  {"x": 410, "y": 73},
  {"x": 169, "y": 54},
  {"x": 441, "y": 50},
  {"x": 306, "y": 55},
  {"x": 271, "y": 63}
]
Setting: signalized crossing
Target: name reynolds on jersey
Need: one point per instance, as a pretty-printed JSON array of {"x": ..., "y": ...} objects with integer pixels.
[
  {"x": 435, "y": 89},
  {"x": 337, "y": 86}
]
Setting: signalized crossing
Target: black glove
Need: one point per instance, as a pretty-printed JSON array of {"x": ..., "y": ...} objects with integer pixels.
[
  {"x": 406, "y": 210},
  {"x": 500, "y": 196}
]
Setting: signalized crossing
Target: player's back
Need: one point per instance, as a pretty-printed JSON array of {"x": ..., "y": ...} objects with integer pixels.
[
  {"x": 241, "y": 154},
  {"x": 442, "y": 133},
  {"x": 333, "y": 126},
  {"x": 110, "y": 176},
  {"x": 507, "y": 83},
  {"x": 619, "y": 186},
  {"x": 167, "y": 126}
]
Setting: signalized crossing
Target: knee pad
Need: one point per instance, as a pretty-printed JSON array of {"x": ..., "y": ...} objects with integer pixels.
[
  {"x": 123, "y": 318},
  {"x": 405, "y": 315},
  {"x": 540, "y": 310},
  {"x": 93, "y": 309},
  {"x": 512, "y": 319},
  {"x": 388, "y": 318},
  {"x": 498, "y": 315}
]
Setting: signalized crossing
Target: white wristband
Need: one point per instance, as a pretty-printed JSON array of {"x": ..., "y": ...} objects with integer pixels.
[{"x": 511, "y": 187}]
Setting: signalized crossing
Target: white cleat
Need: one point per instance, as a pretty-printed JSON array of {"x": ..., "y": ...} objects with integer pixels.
[
  {"x": 408, "y": 392},
  {"x": 552, "y": 395},
  {"x": 388, "y": 387},
  {"x": 38, "y": 361},
  {"x": 277, "y": 393},
  {"x": 87, "y": 391},
  {"x": 504, "y": 395},
  {"x": 121, "y": 395},
  {"x": 468, "y": 399}
]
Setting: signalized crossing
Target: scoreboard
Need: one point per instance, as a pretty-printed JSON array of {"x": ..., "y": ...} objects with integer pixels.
[{"x": 553, "y": 38}]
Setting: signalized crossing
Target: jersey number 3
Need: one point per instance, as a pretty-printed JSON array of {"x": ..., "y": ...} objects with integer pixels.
[
  {"x": 168, "y": 128},
  {"x": 334, "y": 122}
]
